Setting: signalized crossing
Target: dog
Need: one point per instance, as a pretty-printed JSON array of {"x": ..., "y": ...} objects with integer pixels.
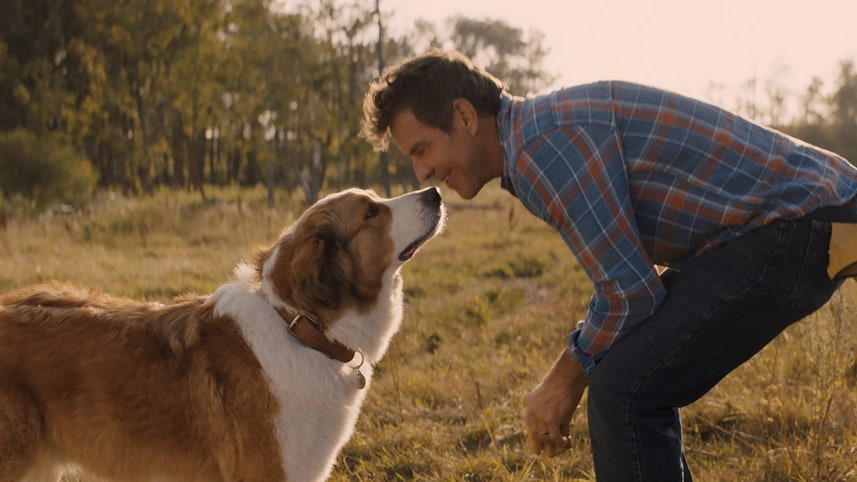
[{"x": 262, "y": 380}]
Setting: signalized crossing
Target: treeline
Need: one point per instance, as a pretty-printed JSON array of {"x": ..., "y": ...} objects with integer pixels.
[
  {"x": 130, "y": 95},
  {"x": 185, "y": 93},
  {"x": 825, "y": 112}
]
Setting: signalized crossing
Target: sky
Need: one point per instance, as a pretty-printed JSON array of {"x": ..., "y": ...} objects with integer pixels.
[{"x": 707, "y": 49}]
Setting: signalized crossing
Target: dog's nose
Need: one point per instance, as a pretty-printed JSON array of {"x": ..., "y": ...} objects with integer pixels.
[{"x": 431, "y": 196}]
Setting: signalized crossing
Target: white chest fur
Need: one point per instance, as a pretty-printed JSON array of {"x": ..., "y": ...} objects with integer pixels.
[{"x": 318, "y": 397}]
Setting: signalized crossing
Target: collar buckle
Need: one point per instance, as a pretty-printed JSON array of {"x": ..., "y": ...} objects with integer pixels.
[{"x": 297, "y": 318}]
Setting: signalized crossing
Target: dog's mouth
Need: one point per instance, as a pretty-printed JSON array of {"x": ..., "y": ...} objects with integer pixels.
[{"x": 412, "y": 248}]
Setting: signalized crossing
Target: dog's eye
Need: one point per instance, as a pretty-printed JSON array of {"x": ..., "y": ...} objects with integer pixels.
[{"x": 372, "y": 211}]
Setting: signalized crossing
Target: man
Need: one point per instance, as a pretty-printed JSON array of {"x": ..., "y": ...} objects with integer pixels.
[{"x": 632, "y": 177}]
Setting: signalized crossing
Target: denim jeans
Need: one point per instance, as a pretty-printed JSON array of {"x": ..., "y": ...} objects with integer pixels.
[{"x": 722, "y": 307}]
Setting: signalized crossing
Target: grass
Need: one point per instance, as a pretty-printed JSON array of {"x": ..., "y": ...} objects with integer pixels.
[{"x": 488, "y": 305}]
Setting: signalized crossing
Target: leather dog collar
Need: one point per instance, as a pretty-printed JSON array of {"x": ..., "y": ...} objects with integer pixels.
[{"x": 309, "y": 333}]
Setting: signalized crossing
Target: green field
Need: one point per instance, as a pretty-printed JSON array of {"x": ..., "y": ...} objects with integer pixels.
[{"x": 488, "y": 306}]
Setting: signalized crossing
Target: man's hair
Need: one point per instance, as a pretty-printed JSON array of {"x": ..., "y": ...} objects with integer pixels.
[{"x": 427, "y": 84}]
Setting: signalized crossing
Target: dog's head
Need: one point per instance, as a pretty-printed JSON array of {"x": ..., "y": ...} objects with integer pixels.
[{"x": 342, "y": 249}]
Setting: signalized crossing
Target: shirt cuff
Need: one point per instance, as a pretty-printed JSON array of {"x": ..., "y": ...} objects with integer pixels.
[{"x": 586, "y": 360}]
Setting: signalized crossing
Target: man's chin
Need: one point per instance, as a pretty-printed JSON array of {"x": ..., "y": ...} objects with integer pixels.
[{"x": 467, "y": 193}]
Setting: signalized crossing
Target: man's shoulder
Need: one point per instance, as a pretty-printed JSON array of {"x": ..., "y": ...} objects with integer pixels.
[
  {"x": 577, "y": 106},
  {"x": 582, "y": 96}
]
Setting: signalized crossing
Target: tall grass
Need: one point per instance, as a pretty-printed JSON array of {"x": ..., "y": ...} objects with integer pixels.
[{"x": 488, "y": 305}]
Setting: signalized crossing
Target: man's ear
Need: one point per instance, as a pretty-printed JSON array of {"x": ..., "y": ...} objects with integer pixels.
[{"x": 464, "y": 115}]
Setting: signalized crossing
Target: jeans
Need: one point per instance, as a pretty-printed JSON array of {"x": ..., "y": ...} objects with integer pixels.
[{"x": 722, "y": 307}]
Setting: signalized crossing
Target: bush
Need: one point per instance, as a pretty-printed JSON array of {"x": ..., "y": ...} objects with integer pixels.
[{"x": 43, "y": 170}]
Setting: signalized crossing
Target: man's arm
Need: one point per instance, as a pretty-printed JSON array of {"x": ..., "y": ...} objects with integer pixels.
[
  {"x": 576, "y": 179},
  {"x": 549, "y": 407}
]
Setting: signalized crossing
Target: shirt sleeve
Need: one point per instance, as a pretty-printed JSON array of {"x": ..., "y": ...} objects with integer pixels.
[{"x": 576, "y": 180}]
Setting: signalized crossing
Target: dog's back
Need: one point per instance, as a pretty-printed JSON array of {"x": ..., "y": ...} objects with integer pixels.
[
  {"x": 122, "y": 387},
  {"x": 220, "y": 387}
]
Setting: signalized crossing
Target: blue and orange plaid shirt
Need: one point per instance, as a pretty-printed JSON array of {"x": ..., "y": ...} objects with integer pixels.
[{"x": 633, "y": 176}]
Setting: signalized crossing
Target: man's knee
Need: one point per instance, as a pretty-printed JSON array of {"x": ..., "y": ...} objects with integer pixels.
[
  {"x": 628, "y": 390},
  {"x": 610, "y": 390}
]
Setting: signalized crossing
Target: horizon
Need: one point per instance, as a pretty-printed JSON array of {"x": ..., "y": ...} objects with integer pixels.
[{"x": 707, "y": 51}]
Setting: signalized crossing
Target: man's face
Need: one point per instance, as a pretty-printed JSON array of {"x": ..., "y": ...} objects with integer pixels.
[{"x": 453, "y": 158}]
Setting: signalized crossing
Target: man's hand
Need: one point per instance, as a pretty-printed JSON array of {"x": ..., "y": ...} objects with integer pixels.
[{"x": 548, "y": 408}]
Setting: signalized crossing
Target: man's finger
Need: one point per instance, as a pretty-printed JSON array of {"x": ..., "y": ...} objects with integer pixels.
[
  {"x": 558, "y": 438},
  {"x": 534, "y": 442},
  {"x": 552, "y": 449},
  {"x": 549, "y": 449}
]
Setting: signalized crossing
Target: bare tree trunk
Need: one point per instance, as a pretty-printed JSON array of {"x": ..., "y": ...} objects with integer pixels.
[
  {"x": 311, "y": 182},
  {"x": 383, "y": 159},
  {"x": 269, "y": 183},
  {"x": 197, "y": 162},
  {"x": 179, "y": 149}
]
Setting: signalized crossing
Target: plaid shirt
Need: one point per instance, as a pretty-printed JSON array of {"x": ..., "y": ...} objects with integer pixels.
[{"x": 633, "y": 176}]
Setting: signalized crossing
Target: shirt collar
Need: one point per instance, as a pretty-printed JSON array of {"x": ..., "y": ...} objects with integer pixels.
[{"x": 505, "y": 132}]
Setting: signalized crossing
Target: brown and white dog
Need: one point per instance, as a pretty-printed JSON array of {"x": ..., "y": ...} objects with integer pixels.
[{"x": 217, "y": 387}]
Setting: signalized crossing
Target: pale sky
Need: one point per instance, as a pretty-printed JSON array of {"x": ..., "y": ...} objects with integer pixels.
[{"x": 682, "y": 45}]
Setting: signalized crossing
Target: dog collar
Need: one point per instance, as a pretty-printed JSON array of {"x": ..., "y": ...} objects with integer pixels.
[{"x": 307, "y": 331}]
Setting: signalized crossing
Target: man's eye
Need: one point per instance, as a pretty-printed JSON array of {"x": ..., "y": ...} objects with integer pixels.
[
  {"x": 372, "y": 211},
  {"x": 418, "y": 151}
]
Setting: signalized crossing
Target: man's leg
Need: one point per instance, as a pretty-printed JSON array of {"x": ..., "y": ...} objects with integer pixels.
[{"x": 720, "y": 310}]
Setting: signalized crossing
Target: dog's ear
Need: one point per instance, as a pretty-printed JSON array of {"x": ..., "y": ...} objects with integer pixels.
[{"x": 312, "y": 265}]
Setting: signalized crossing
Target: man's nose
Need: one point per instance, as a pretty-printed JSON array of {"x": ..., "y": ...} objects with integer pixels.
[{"x": 422, "y": 171}]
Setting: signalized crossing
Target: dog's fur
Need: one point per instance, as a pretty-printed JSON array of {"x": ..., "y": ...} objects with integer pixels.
[{"x": 211, "y": 388}]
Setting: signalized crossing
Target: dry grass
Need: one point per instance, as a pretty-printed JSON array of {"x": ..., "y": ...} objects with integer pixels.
[{"x": 488, "y": 306}]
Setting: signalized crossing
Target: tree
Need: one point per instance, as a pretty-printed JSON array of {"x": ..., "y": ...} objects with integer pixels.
[
  {"x": 43, "y": 170},
  {"x": 776, "y": 94},
  {"x": 844, "y": 111},
  {"x": 812, "y": 102},
  {"x": 189, "y": 92},
  {"x": 383, "y": 159},
  {"x": 504, "y": 51},
  {"x": 811, "y": 124}
]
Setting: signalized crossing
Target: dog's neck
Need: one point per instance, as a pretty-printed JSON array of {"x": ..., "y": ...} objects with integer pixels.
[
  {"x": 304, "y": 329},
  {"x": 307, "y": 331},
  {"x": 370, "y": 337}
]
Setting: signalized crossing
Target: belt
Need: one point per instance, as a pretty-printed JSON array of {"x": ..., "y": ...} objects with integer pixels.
[
  {"x": 843, "y": 238},
  {"x": 845, "y": 213}
]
